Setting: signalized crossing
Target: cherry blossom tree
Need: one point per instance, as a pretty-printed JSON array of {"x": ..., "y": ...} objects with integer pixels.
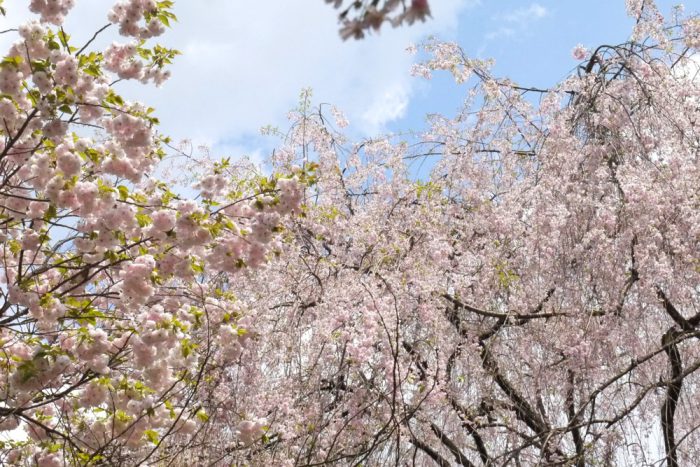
[
  {"x": 115, "y": 311},
  {"x": 517, "y": 285}
]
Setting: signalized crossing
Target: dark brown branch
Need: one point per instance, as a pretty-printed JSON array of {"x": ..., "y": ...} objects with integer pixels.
[
  {"x": 461, "y": 459},
  {"x": 94, "y": 36},
  {"x": 521, "y": 406},
  {"x": 421, "y": 364},
  {"x": 573, "y": 420},
  {"x": 535, "y": 313},
  {"x": 673, "y": 312},
  {"x": 433, "y": 454},
  {"x": 471, "y": 428},
  {"x": 668, "y": 409}
]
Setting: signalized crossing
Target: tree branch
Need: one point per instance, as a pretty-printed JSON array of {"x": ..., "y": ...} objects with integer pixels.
[{"x": 668, "y": 409}]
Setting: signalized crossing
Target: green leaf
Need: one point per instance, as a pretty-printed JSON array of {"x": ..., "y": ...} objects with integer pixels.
[
  {"x": 34, "y": 97},
  {"x": 202, "y": 416},
  {"x": 15, "y": 246},
  {"x": 14, "y": 61},
  {"x": 27, "y": 370},
  {"x": 93, "y": 155},
  {"x": 122, "y": 416},
  {"x": 163, "y": 18},
  {"x": 187, "y": 347},
  {"x": 143, "y": 220},
  {"x": 114, "y": 98},
  {"x": 45, "y": 299},
  {"x": 102, "y": 188},
  {"x": 53, "y": 45},
  {"x": 63, "y": 37},
  {"x": 152, "y": 436},
  {"x": 197, "y": 266},
  {"x": 50, "y": 212}
]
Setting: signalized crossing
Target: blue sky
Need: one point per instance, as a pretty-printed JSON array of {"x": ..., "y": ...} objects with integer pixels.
[
  {"x": 245, "y": 62},
  {"x": 531, "y": 43}
]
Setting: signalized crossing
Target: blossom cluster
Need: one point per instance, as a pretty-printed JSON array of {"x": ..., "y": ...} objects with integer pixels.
[
  {"x": 370, "y": 16},
  {"x": 128, "y": 14},
  {"x": 51, "y": 11}
]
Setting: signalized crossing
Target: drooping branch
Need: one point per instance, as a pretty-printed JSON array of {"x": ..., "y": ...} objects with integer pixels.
[
  {"x": 471, "y": 428},
  {"x": 432, "y": 453},
  {"x": 521, "y": 406},
  {"x": 451, "y": 446}
]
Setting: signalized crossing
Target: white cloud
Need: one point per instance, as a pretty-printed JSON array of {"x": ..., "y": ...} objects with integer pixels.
[
  {"x": 244, "y": 64},
  {"x": 530, "y": 13},
  {"x": 387, "y": 107},
  {"x": 516, "y": 21},
  {"x": 500, "y": 33}
]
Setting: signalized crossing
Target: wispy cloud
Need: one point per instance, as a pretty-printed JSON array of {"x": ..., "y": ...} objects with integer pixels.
[
  {"x": 499, "y": 33},
  {"x": 514, "y": 22},
  {"x": 528, "y": 14}
]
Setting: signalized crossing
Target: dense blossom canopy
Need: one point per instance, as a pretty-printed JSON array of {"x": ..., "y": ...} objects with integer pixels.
[{"x": 515, "y": 285}]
